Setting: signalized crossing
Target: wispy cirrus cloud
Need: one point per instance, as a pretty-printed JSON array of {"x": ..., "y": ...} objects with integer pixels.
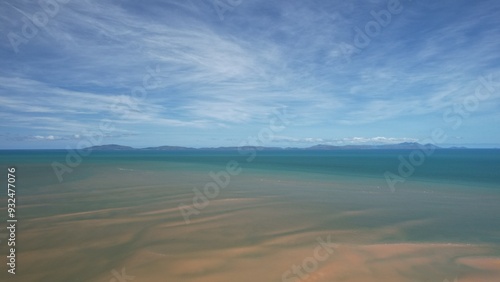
[{"x": 223, "y": 76}]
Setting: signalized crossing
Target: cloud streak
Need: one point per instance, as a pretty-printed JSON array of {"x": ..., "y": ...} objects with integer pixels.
[
  {"x": 221, "y": 76},
  {"x": 344, "y": 141}
]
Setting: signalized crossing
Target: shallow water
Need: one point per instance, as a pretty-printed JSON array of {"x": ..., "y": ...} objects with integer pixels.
[{"x": 119, "y": 211}]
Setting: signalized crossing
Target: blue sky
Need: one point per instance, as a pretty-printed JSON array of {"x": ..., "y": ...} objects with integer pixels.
[{"x": 211, "y": 73}]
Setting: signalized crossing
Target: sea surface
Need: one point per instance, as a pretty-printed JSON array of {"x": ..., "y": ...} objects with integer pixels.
[
  {"x": 461, "y": 166},
  {"x": 165, "y": 216}
]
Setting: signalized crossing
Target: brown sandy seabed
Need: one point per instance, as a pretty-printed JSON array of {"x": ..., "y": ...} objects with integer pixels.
[{"x": 239, "y": 236}]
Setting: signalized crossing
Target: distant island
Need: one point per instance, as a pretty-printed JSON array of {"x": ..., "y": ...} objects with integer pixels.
[{"x": 319, "y": 147}]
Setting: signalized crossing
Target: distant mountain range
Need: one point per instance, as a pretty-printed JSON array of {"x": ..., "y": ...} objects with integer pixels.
[{"x": 319, "y": 147}]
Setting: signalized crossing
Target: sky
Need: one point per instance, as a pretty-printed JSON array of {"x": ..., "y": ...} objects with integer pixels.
[{"x": 242, "y": 72}]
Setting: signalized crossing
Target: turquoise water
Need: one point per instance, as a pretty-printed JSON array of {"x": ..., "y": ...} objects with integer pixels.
[
  {"x": 452, "y": 197},
  {"x": 471, "y": 166}
]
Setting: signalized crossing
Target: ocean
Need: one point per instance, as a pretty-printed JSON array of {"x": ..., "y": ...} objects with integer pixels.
[{"x": 256, "y": 215}]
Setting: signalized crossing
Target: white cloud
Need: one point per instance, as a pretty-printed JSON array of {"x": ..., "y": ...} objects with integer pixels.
[
  {"x": 227, "y": 75},
  {"x": 344, "y": 141}
]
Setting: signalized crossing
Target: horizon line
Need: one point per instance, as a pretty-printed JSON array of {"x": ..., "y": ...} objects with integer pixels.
[{"x": 100, "y": 147}]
